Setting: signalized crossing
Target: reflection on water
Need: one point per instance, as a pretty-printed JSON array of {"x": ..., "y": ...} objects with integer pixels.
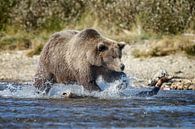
[{"x": 22, "y": 107}]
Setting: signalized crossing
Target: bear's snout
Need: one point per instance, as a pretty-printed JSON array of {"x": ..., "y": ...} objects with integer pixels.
[{"x": 122, "y": 66}]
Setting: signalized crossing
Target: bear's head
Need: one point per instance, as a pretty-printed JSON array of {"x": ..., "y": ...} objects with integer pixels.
[
  {"x": 105, "y": 53},
  {"x": 109, "y": 55}
]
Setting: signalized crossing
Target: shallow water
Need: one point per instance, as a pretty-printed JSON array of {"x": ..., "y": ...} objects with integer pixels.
[{"x": 22, "y": 107}]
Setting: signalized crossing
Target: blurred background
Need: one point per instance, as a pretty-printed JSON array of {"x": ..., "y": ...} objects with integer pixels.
[{"x": 168, "y": 25}]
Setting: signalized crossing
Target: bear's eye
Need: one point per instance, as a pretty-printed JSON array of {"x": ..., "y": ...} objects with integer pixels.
[
  {"x": 113, "y": 57},
  {"x": 102, "y": 47}
]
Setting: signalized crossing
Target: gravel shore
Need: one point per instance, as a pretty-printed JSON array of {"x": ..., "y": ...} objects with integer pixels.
[
  {"x": 178, "y": 65},
  {"x": 16, "y": 66}
]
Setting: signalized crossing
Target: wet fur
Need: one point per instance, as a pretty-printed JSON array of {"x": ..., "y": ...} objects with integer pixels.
[{"x": 72, "y": 57}]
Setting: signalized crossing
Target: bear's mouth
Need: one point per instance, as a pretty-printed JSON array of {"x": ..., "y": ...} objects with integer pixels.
[{"x": 113, "y": 68}]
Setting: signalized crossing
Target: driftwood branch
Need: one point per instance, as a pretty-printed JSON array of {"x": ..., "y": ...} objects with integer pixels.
[{"x": 157, "y": 83}]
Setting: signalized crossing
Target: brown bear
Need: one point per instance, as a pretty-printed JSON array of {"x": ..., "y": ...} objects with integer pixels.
[{"x": 79, "y": 57}]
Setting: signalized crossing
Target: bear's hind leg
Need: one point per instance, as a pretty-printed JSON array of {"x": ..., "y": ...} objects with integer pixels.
[{"x": 44, "y": 81}]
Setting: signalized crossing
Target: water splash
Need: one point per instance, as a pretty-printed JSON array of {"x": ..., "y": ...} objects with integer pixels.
[
  {"x": 18, "y": 90},
  {"x": 118, "y": 89}
]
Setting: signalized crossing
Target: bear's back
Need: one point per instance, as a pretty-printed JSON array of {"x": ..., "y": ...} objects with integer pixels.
[
  {"x": 64, "y": 35},
  {"x": 55, "y": 45}
]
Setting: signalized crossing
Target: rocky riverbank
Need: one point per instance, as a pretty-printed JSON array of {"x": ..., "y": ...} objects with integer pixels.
[
  {"x": 181, "y": 67},
  {"x": 16, "y": 66}
]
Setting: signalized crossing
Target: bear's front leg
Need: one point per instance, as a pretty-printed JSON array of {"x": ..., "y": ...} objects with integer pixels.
[
  {"x": 92, "y": 86},
  {"x": 87, "y": 78},
  {"x": 89, "y": 83}
]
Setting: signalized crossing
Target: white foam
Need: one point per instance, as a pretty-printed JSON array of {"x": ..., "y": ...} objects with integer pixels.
[
  {"x": 116, "y": 89},
  {"x": 20, "y": 91}
]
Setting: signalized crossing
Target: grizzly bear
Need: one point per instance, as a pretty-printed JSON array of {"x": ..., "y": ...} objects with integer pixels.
[{"x": 79, "y": 57}]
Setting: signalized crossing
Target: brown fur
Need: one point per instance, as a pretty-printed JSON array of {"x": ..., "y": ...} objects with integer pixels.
[{"x": 79, "y": 57}]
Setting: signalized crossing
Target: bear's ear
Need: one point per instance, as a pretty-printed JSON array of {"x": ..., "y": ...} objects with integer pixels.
[
  {"x": 121, "y": 45},
  {"x": 101, "y": 47}
]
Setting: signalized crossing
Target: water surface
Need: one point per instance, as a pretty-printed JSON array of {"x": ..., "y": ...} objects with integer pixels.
[{"x": 22, "y": 107}]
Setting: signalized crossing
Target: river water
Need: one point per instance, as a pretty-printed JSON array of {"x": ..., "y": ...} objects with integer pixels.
[{"x": 22, "y": 107}]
